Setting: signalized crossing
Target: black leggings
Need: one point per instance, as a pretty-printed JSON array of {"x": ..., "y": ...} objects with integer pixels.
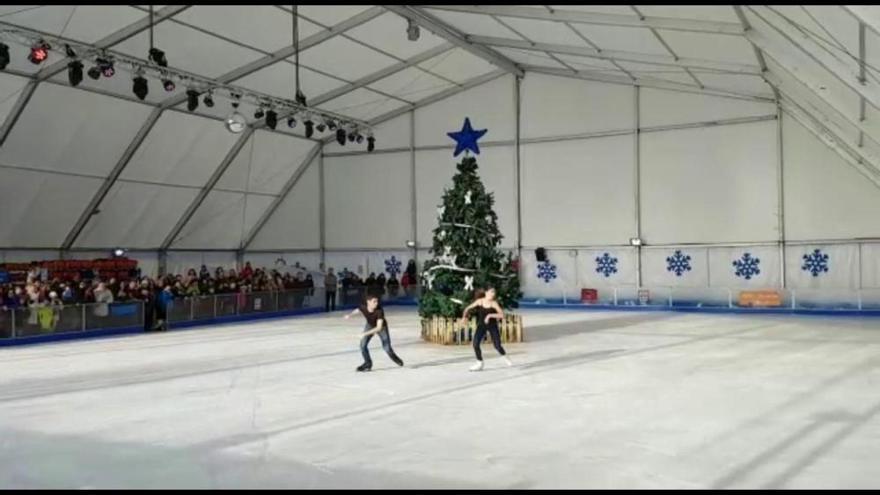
[{"x": 480, "y": 334}]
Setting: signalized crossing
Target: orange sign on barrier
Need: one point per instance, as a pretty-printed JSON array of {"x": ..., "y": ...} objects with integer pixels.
[{"x": 760, "y": 299}]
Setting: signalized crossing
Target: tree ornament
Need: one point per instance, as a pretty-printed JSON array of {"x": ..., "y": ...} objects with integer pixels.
[
  {"x": 468, "y": 282},
  {"x": 441, "y": 211},
  {"x": 429, "y": 280},
  {"x": 467, "y": 198},
  {"x": 442, "y": 235}
]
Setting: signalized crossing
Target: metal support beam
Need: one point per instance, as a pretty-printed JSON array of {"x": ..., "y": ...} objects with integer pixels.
[
  {"x": 649, "y": 82},
  {"x": 802, "y": 88},
  {"x": 17, "y": 109},
  {"x": 746, "y": 27},
  {"x": 289, "y": 51},
  {"x": 812, "y": 49},
  {"x": 638, "y": 179},
  {"x": 517, "y": 107},
  {"x": 612, "y": 55},
  {"x": 381, "y": 74},
  {"x": 865, "y": 14},
  {"x": 815, "y": 127},
  {"x": 780, "y": 194},
  {"x": 102, "y": 191},
  {"x": 414, "y": 216},
  {"x": 471, "y": 83},
  {"x": 288, "y": 186},
  {"x": 443, "y": 30},
  {"x": 212, "y": 181},
  {"x": 579, "y": 17},
  {"x": 322, "y": 207}
]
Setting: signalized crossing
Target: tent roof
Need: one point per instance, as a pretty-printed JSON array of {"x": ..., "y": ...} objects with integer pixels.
[{"x": 819, "y": 62}]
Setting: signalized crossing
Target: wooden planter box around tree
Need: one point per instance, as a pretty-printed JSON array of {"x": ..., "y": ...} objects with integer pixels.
[{"x": 448, "y": 331}]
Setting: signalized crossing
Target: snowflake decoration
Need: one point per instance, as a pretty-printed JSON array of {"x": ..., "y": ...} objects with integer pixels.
[
  {"x": 606, "y": 265},
  {"x": 468, "y": 282},
  {"x": 815, "y": 262},
  {"x": 747, "y": 266},
  {"x": 448, "y": 258},
  {"x": 467, "y": 198},
  {"x": 678, "y": 263},
  {"x": 392, "y": 266},
  {"x": 546, "y": 271}
]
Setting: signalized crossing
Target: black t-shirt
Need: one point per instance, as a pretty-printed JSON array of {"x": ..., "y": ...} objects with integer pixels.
[{"x": 374, "y": 317}]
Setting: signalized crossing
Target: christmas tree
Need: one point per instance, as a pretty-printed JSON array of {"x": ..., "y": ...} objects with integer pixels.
[{"x": 466, "y": 240}]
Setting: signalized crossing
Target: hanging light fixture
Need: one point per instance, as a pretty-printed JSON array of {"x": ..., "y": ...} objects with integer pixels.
[
  {"x": 75, "y": 72},
  {"x": 39, "y": 52},
  {"x": 192, "y": 99},
  {"x": 271, "y": 119},
  {"x": 235, "y": 122},
  {"x": 310, "y": 127},
  {"x": 340, "y": 136},
  {"x": 4, "y": 56},
  {"x": 139, "y": 85},
  {"x": 371, "y": 144},
  {"x": 208, "y": 100}
]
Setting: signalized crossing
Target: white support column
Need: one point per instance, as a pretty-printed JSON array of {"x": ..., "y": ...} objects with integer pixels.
[
  {"x": 638, "y": 179},
  {"x": 517, "y": 106},
  {"x": 322, "y": 208},
  {"x": 780, "y": 181},
  {"x": 413, "y": 193}
]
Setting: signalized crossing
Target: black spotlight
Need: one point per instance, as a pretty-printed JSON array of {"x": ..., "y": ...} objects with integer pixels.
[
  {"x": 208, "y": 100},
  {"x": 291, "y": 122},
  {"x": 75, "y": 72},
  {"x": 192, "y": 99},
  {"x": 158, "y": 56},
  {"x": 340, "y": 136},
  {"x": 300, "y": 98},
  {"x": 271, "y": 119},
  {"x": 359, "y": 139},
  {"x": 140, "y": 87},
  {"x": 259, "y": 113},
  {"x": 168, "y": 84},
  {"x": 332, "y": 125},
  {"x": 350, "y": 137},
  {"x": 69, "y": 51},
  {"x": 4, "y": 55},
  {"x": 39, "y": 52},
  {"x": 371, "y": 144},
  {"x": 310, "y": 129},
  {"x": 322, "y": 127},
  {"x": 95, "y": 72}
]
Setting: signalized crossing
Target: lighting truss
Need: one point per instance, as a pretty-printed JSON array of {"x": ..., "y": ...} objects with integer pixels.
[{"x": 283, "y": 107}]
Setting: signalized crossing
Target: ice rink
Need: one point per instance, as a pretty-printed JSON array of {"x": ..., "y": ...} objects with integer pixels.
[{"x": 596, "y": 399}]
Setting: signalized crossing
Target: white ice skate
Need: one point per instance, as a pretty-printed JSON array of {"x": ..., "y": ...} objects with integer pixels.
[
  {"x": 507, "y": 360},
  {"x": 477, "y": 367}
]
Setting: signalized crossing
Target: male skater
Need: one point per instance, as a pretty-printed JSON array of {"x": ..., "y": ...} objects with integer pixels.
[{"x": 376, "y": 323}]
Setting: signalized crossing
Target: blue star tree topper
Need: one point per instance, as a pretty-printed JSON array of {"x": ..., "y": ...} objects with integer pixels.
[{"x": 466, "y": 138}]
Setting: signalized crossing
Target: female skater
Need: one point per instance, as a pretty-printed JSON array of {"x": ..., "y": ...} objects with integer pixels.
[
  {"x": 488, "y": 314},
  {"x": 376, "y": 323}
]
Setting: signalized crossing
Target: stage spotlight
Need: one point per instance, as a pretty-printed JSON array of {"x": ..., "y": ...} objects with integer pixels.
[
  {"x": 412, "y": 31},
  {"x": 39, "y": 52},
  {"x": 271, "y": 119},
  {"x": 69, "y": 51},
  {"x": 106, "y": 67},
  {"x": 192, "y": 99},
  {"x": 4, "y": 56},
  {"x": 291, "y": 122},
  {"x": 321, "y": 127},
  {"x": 350, "y": 137},
  {"x": 300, "y": 98},
  {"x": 208, "y": 100},
  {"x": 359, "y": 139},
  {"x": 371, "y": 144},
  {"x": 94, "y": 72},
  {"x": 158, "y": 56},
  {"x": 119, "y": 252},
  {"x": 309, "y": 128},
  {"x": 340, "y": 136},
  {"x": 168, "y": 84},
  {"x": 259, "y": 113},
  {"x": 139, "y": 86},
  {"x": 331, "y": 125},
  {"x": 75, "y": 72}
]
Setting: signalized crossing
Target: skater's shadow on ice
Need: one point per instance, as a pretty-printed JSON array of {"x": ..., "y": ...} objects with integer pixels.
[
  {"x": 440, "y": 362},
  {"x": 559, "y": 330}
]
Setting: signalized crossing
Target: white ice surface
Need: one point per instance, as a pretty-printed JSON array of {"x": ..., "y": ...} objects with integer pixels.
[{"x": 597, "y": 399}]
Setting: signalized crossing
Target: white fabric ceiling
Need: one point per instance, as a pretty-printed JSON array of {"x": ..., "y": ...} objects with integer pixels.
[{"x": 189, "y": 177}]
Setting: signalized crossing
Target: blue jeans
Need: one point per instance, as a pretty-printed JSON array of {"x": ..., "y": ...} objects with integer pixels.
[{"x": 386, "y": 344}]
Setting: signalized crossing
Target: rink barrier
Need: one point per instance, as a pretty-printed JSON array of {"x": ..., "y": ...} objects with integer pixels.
[{"x": 449, "y": 331}]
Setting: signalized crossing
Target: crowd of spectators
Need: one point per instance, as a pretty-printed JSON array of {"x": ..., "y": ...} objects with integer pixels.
[{"x": 37, "y": 293}]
